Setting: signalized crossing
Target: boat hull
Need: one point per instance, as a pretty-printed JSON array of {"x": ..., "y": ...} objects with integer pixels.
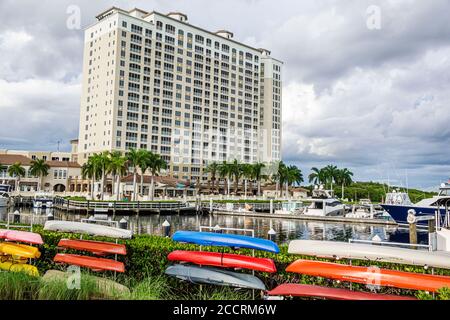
[
  {"x": 87, "y": 228},
  {"x": 372, "y": 276},
  {"x": 225, "y": 240},
  {"x": 19, "y": 251},
  {"x": 93, "y": 263},
  {"x": 19, "y": 267},
  {"x": 21, "y": 236},
  {"x": 304, "y": 290},
  {"x": 357, "y": 251},
  {"x": 224, "y": 260},
  {"x": 213, "y": 276},
  {"x": 96, "y": 247},
  {"x": 400, "y": 212}
]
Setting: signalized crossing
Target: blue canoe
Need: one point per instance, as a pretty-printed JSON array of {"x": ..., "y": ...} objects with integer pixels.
[{"x": 225, "y": 240}]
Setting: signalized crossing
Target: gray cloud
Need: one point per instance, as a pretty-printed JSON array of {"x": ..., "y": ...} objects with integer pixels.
[{"x": 375, "y": 101}]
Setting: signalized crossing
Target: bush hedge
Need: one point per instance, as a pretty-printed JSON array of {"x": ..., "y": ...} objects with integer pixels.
[{"x": 147, "y": 257}]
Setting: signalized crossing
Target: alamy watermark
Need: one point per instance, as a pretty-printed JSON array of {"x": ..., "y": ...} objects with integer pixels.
[
  {"x": 73, "y": 21},
  {"x": 373, "y": 21},
  {"x": 73, "y": 281}
]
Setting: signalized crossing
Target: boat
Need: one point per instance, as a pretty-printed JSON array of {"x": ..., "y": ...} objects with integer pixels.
[
  {"x": 97, "y": 247},
  {"x": 93, "y": 263},
  {"x": 293, "y": 208},
  {"x": 87, "y": 228},
  {"x": 43, "y": 200},
  {"x": 225, "y": 240},
  {"x": 312, "y": 291},
  {"x": 365, "y": 210},
  {"x": 13, "y": 266},
  {"x": 4, "y": 199},
  {"x": 397, "y": 204},
  {"x": 214, "y": 276},
  {"x": 19, "y": 251},
  {"x": 21, "y": 236},
  {"x": 372, "y": 252},
  {"x": 373, "y": 276},
  {"x": 323, "y": 204},
  {"x": 224, "y": 260}
]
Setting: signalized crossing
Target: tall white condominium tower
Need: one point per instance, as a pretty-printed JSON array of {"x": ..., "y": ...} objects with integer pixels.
[{"x": 153, "y": 81}]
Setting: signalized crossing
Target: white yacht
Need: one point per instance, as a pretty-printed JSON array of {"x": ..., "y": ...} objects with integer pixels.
[
  {"x": 43, "y": 200},
  {"x": 323, "y": 203},
  {"x": 291, "y": 208},
  {"x": 4, "y": 196}
]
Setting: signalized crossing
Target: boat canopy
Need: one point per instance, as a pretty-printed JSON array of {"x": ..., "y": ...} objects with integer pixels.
[{"x": 398, "y": 198}]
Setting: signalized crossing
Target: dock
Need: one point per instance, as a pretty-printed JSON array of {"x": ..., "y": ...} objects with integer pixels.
[{"x": 302, "y": 217}]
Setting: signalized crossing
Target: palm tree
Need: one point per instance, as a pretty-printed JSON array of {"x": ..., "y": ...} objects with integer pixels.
[
  {"x": 134, "y": 160},
  {"x": 144, "y": 165},
  {"x": 344, "y": 178},
  {"x": 212, "y": 169},
  {"x": 331, "y": 172},
  {"x": 258, "y": 174},
  {"x": 39, "y": 168},
  {"x": 317, "y": 176},
  {"x": 102, "y": 161},
  {"x": 156, "y": 164},
  {"x": 16, "y": 170},
  {"x": 88, "y": 171},
  {"x": 247, "y": 174},
  {"x": 281, "y": 176},
  {"x": 118, "y": 168},
  {"x": 225, "y": 173},
  {"x": 293, "y": 176},
  {"x": 236, "y": 172}
]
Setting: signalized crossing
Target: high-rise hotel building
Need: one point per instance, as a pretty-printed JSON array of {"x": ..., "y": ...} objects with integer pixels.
[{"x": 156, "y": 82}]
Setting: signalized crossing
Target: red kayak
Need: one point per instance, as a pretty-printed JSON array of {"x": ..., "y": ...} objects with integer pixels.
[
  {"x": 224, "y": 260},
  {"x": 96, "y": 247},
  {"x": 21, "y": 236},
  {"x": 370, "y": 275},
  {"x": 96, "y": 264},
  {"x": 304, "y": 290}
]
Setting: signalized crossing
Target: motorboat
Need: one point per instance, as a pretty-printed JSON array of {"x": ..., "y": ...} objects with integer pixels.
[
  {"x": 364, "y": 210},
  {"x": 4, "y": 199},
  {"x": 291, "y": 208},
  {"x": 398, "y": 204},
  {"x": 324, "y": 203},
  {"x": 43, "y": 200}
]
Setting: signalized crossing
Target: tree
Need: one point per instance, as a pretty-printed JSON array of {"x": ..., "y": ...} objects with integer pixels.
[
  {"x": 212, "y": 169},
  {"x": 225, "y": 173},
  {"x": 88, "y": 171},
  {"x": 118, "y": 168},
  {"x": 331, "y": 172},
  {"x": 16, "y": 170},
  {"x": 281, "y": 176},
  {"x": 317, "y": 176},
  {"x": 144, "y": 165},
  {"x": 293, "y": 176},
  {"x": 156, "y": 164},
  {"x": 236, "y": 172},
  {"x": 258, "y": 174},
  {"x": 39, "y": 168},
  {"x": 344, "y": 178},
  {"x": 248, "y": 175},
  {"x": 101, "y": 164},
  {"x": 134, "y": 160}
]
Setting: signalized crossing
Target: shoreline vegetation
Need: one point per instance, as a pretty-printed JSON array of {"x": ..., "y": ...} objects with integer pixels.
[{"x": 145, "y": 263}]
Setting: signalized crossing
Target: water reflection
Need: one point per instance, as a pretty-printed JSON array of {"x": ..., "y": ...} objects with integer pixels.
[{"x": 285, "y": 229}]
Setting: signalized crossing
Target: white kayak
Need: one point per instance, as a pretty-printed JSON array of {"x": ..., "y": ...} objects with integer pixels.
[
  {"x": 88, "y": 228},
  {"x": 356, "y": 251}
]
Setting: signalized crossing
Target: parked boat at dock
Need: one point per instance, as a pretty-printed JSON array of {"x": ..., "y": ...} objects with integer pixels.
[
  {"x": 87, "y": 228},
  {"x": 324, "y": 204},
  {"x": 43, "y": 200},
  {"x": 397, "y": 204}
]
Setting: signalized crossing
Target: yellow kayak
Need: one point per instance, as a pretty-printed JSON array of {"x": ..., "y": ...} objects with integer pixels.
[
  {"x": 14, "y": 267},
  {"x": 18, "y": 251}
]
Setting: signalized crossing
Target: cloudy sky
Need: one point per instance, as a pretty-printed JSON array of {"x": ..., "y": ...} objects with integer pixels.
[{"x": 371, "y": 97}]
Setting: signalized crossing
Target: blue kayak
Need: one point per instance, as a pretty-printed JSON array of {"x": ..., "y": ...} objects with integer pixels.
[{"x": 225, "y": 240}]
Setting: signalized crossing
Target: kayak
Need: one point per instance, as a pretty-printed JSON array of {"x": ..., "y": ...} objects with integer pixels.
[
  {"x": 96, "y": 264},
  {"x": 19, "y": 267},
  {"x": 225, "y": 260},
  {"x": 304, "y": 290},
  {"x": 370, "y": 275},
  {"x": 97, "y": 247},
  {"x": 345, "y": 250},
  {"x": 87, "y": 228},
  {"x": 213, "y": 276},
  {"x": 225, "y": 240},
  {"x": 21, "y": 236},
  {"x": 18, "y": 251}
]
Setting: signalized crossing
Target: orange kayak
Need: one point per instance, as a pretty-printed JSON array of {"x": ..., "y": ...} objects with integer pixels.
[
  {"x": 304, "y": 290},
  {"x": 96, "y": 247},
  {"x": 370, "y": 275},
  {"x": 96, "y": 264}
]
